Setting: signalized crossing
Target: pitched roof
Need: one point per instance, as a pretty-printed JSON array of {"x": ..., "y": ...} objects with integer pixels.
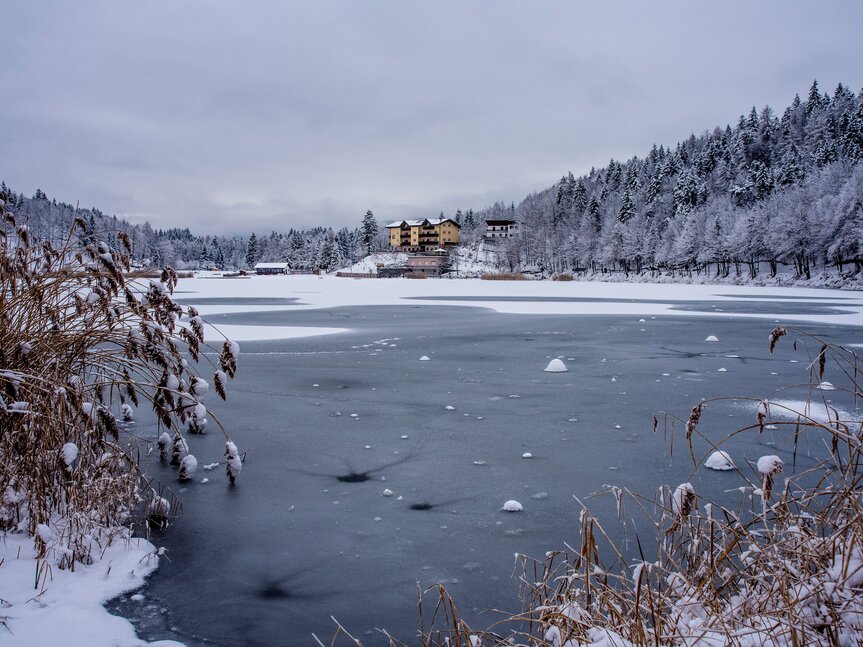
[
  {"x": 271, "y": 266},
  {"x": 419, "y": 223}
]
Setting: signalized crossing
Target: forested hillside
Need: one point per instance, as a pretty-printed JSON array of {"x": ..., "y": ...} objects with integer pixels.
[
  {"x": 311, "y": 249},
  {"x": 770, "y": 191}
]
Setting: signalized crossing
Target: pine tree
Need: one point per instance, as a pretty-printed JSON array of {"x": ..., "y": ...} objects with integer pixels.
[
  {"x": 579, "y": 198},
  {"x": 814, "y": 100},
  {"x": 205, "y": 258},
  {"x": 344, "y": 242},
  {"x": 791, "y": 168},
  {"x": 632, "y": 183},
  {"x": 762, "y": 179},
  {"x": 565, "y": 195},
  {"x": 369, "y": 231},
  {"x": 654, "y": 187},
  {"x": 852, "y": 140},
  {"x": 686, "y": 192},
  {"x": 218, "y": 255},
  {"x": 252, "y": 253},
  {"x": 595, "y": 214},
  {"x": 627, "y": 207},
  {"x": 613, "y": 176}
]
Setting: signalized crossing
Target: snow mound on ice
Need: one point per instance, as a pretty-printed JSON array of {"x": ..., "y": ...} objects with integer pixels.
[
  {"x": 512, "y": 506},
  {"x": 556, "y": 366},
  {"x": 719, "y": 461},
  {"x": 425, "y": 358},
  {"x": 711, "y": 338}
]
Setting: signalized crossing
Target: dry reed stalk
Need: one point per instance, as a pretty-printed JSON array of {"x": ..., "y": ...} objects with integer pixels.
[
  {"x": 504, "y": 276},
  {"x": 80, "y": 341}
]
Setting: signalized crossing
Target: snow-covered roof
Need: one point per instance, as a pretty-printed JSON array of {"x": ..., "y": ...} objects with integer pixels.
[
  {"x": 420, "y": 223},
  {"x": 271, "y": 266}
]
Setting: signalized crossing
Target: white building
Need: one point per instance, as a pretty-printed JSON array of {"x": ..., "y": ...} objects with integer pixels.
[
  {"x": 500, "y": 229},
  {"x": 271, "y": 268}
]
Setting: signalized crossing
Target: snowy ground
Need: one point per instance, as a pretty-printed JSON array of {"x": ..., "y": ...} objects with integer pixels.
[
  {"x": 369, "y": 265},
  {"x": 69, "y": 611},
  {"x": 469, "y": 261},
  {"x": 67, "y": 608},
  {"x": 525, "y": 297}
]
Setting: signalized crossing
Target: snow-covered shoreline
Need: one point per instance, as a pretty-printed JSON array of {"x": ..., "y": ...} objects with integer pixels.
[
  {"x": 513, "y": 297},
  {"x": 67, "y": 608}
]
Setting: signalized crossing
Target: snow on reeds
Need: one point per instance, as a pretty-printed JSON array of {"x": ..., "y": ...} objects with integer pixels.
[{"x": 81, "y": 345}]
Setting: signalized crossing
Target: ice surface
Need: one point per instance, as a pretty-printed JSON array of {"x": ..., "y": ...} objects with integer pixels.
[
  {"x": 296, "y": 450},
  {"x": 808, "y": 410}
]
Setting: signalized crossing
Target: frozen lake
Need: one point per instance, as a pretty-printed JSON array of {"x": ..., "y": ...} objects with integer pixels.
[{"x": 332, "y": 421}]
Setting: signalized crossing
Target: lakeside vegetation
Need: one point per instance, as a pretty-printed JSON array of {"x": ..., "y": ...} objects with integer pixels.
[{"x": 83, "y": 347}]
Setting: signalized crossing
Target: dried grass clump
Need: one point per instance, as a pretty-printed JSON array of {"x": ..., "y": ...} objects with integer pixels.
[
  {"x": 562, "y": 277},
  {"x": 781, "y": 566},
  {"x": 80, "y": 345},
  {"x": 504, "y": 276}
]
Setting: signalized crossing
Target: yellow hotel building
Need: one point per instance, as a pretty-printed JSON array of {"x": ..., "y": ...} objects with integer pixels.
[{"x": 423, "y": 235}]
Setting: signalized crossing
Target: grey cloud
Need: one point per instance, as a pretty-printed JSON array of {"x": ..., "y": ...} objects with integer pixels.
[{"x": 229, "y": 117}]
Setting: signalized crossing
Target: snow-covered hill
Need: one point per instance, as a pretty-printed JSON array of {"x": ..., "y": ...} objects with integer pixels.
[{"x": 370, "y": 264}]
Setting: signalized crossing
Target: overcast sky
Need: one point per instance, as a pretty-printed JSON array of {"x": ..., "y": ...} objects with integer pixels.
[{"x": 228, "y": 117}]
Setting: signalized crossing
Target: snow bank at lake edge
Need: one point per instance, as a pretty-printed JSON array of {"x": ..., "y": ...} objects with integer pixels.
[
  {"x": 545, "y": 297},
  {"x": 70, "y": 611}
]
